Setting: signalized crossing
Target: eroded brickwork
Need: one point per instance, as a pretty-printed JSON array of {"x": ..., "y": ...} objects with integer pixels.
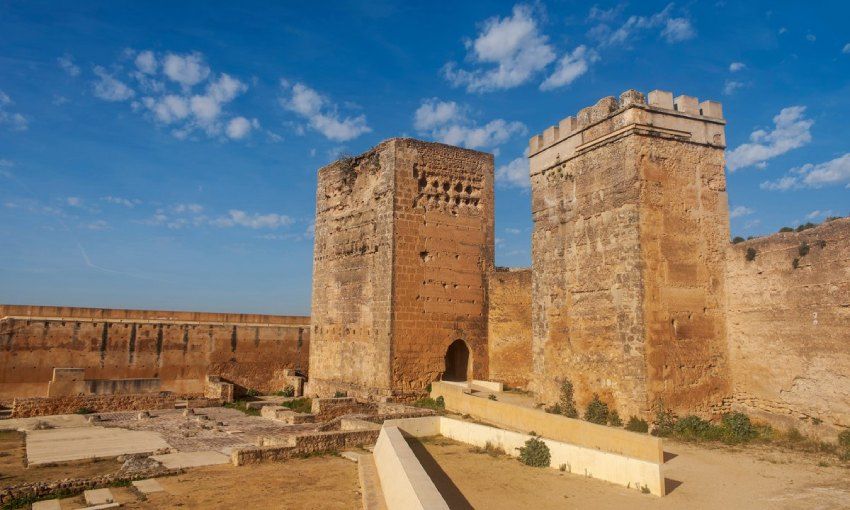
[
  {"x": 630, "y": 224},
  {"x": 179, "y": 348},
  {"x": 789, "y": 328},
  {"x": 509, "y": 326},
  {"x": 404, "y": 238}
]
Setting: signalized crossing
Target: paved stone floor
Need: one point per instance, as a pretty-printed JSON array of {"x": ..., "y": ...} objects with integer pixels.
[{"x": 76, "y": 443}]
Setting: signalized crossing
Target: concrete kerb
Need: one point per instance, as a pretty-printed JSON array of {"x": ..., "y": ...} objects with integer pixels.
[{"x": 404, "y": 481}]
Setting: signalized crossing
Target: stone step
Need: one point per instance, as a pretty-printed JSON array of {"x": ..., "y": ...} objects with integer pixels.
[{"x": 5, "y": 414}]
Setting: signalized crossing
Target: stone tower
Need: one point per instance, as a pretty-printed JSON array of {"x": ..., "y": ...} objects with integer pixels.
[
  {"x": 630, "y": 227},
  {"x": 403, "y": 243}
]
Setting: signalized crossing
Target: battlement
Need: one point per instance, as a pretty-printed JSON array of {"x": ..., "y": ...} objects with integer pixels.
[{"x": 659, "y": 109}]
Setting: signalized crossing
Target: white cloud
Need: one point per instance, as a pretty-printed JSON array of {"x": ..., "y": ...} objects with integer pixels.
[
  {"x": 110, "y": 88},
  {"x": 791, "y": 131},
  {"x": 321, "y": 114},
  {"x": 513, "y": 231},
  {"x": 236, "y": 217},
  {"x": 835, "y": 171},
  {"x": 739, "y": 211},
  {"x": 98, "y": 225},
  {"x": 187, "y": 70},
  {"x": 66, "y": 62},
  {"x": 74, "y": 201},
  {"x": 240, "y": 127},
  {"x": 126, "y": 202},
  {"x": 819, "y": 214},
  {"x": 433, "y": 113},
  {"x": 446, "y": 121},
  {"x": 146, "y": 62},
  {"x": 811, "y": 37},
  {"x": 673, "y": 29},
  {"x": 732, "y": 86},
  {"x": 737, "y": 66},
  {"x": 570, "y": 67},
  {"x": 191, "y": 207},
  {"x": 846, "y": 48},
  {"x": 511, "y": 49},
  {"x": 14, "y": 120},
  {"x": 515, "y": 174}
]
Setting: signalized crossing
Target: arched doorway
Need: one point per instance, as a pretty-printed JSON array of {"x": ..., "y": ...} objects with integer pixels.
[{"x": 457, "y": 362}]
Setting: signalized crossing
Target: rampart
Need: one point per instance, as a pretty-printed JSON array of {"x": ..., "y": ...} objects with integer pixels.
[
  {"x": 789, "y": 326},
  {"x": 509, "y": 326},
  {"x": 178, "y": 348}
]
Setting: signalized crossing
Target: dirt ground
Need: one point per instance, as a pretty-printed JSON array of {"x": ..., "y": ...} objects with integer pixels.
[
  {"x": 13, "y": 471},
  {"x": 706, "y": 478},
  {"x": 300, "y": 484}
]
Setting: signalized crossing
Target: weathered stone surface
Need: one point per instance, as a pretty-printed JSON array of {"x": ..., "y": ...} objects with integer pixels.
[
  {"x": 630, "y": 228},
  {"x": 178, "y": 348},
  {"x": 509, "y": 326},
  {"x": 789, "y": 328},
  {"x": 404, "y": 238}
]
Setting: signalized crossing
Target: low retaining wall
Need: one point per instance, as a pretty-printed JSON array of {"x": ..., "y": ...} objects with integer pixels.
[
  {"x": 405, "y": 483},
  {"x": 46, "y": 406},
  {"x": 295, "y": 446},
  {"x": 39, "y": 490},
  {"x": 553, "y": 426},
  {"x": 619, "y": 469}
]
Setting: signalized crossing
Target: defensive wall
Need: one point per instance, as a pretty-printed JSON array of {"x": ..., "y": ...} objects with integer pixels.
[
  {"x": 509, "y": 326},
  {"x": 178, "y": 348}
]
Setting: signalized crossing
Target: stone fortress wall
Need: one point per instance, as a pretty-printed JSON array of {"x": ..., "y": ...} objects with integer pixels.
[
  {"x": 178, "y": 348},
  {"x": 789, "y": 326},
  {"x": 509, "y": 326},
  {"x": 404, "y": 240},
  {"x": 628, "y": 248}
]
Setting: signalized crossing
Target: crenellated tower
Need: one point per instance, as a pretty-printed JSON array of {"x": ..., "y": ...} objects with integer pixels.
[{"x": 630, "y": 227}]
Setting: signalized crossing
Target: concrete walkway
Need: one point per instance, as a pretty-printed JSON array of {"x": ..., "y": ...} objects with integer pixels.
[
  {"x": 191, "y": 459},
  {"x": 78, "y": 443}
]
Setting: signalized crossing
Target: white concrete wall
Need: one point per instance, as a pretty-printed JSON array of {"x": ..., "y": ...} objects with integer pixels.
[
  {"x": 619, "y": 469},
  {"x": 405, "y": 483}
]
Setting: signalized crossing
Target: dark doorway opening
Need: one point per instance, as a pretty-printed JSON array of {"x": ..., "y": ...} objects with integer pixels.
[{"x": 457, "y": 362}]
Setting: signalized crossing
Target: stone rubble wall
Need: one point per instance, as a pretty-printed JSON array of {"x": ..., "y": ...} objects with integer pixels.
[
  {"x": 178, "y": 348},
  {"x": 45, "y": 406},
  {"x": 509, "y": 326},
  {"x": 320, "y": 442},
  {"x": 789, "y": 328}
]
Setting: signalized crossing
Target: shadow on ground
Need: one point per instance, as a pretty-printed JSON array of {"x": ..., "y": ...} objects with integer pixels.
[{"x": 454, "y": 498}]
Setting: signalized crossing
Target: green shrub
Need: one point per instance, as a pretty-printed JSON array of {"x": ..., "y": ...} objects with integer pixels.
[
  {"x": 597, "y": 411},
  {"x": 795, "y": 263},
  {"x": 831, "y": 218},
  {"x": 299, "y": 405},
  {"x": 240, "y": 405},
  {"x": 287, "y": 391},
  {"x": 844, "y": 445},
  {"x": 636, "y": 424},
  {"x": 251, "y": 392},
  {"x": 491, "y": 397},
  {"x": 535, "y": 453},
  {"x": 786, "y": 229},
  {"x": 84, "y": 410},
  {"x": 737, "y": 239},
  {"x": 340, "y": 394},
  {"x": 694, "y": 428},
  {"x": 555, "y": 409},
  {"x": 751, "y": 254},
  {"x": 804, "y": 249},
  {"x": 430, "y": 403},
  {"x": 614, "y": 419},
  {"x": 567, "y": 401},
  {"x": 806, "y": 226},
  {"x": 664, "y": 420}
]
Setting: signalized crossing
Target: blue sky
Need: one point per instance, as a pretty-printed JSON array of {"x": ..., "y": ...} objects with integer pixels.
[{"x": 163, "y": 154}]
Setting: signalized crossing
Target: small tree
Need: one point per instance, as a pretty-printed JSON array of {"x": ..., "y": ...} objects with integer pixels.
[
  {"x": 597, "y": 411},
  {"x": 804, "y": 249},
  {"x": 786, "y": 229},
  {"x": 567, "y": 402},
  {"x": 737, "y": 239},
  {"x": 665, "y": 420},
  {"x": 535, "y": 453},
  {"x": 751, "y": 254}
]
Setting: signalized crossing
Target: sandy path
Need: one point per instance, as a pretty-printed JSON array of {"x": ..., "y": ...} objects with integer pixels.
[{"x": 711, "y": 478}]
